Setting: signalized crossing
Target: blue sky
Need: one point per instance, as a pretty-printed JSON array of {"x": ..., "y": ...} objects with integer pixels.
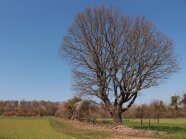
[{"x": 31, "y": 33}]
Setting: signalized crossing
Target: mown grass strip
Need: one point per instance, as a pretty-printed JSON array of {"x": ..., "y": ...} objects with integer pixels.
[{"x": 68, "y": 129}]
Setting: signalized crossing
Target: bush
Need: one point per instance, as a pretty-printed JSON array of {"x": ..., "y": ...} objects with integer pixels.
[{"x": 65, "y": 110}]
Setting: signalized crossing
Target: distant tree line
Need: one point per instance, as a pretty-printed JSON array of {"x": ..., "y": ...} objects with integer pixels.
[
  {"x": 158, "y": 109},
  {"x": 28, "y": 108},
  {"x": 155, "y": 110}
]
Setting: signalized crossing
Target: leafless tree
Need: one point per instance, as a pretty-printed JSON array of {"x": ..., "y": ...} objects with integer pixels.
[
  {"x": 157, "y": 107},
  {"x": 142, "y": 110},
  {"x": 183, "y": 101},
  {"x": 115, "y": 56}
]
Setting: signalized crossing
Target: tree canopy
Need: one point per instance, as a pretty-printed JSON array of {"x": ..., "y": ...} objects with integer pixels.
[{"x": 115, "y": 56}]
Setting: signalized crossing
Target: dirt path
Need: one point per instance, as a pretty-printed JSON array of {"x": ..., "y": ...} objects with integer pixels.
[{"x": 120, "y": 131}]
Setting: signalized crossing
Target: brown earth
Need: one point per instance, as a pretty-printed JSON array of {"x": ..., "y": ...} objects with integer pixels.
[{"x": 120, "y": 131}]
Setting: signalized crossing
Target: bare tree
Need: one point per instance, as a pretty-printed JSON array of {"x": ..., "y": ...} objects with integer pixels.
[
  {"x": 115, "y": 56},
  {"x": 149, "y": 110},
  {"x": 176, "y": 104},
  {"x": 142, "y": 110},
  {"x": 157, "y": 106},
  {"x": 183, "y": 101}
]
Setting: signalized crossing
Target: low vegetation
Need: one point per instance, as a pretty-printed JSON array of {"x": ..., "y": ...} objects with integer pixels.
[
  {"x": 28, "y": 128},
  {"x": 67, "y": 128},
  {"x": 44, "y": 128},
  {"x": 50, "y": 128},
  {"x": 175, "y": 127},
  {"x": 169, "y": 128},
  {"x": 156, "y": 109},
  {"x": 53, "y": 128},
  {"x": 158, "y": 116}
]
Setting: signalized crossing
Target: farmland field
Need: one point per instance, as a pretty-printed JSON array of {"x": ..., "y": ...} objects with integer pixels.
[
  {"x": 42, "y": 128},
  {"x": 175, "y": 127},
  {"x": 52, "y": 128},
  {"x": 28, "y": 128}
]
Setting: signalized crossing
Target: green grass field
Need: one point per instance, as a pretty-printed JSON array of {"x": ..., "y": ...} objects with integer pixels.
[
  {"x": 52, "y": 128},
  {"x": 43, "y": 128},
  {"x": 28, "y": 128},
  {"x": 176, "y": 127}
]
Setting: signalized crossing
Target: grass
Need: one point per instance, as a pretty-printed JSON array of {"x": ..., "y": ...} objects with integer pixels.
[
  {"x": 176, "y": 127},
  {"x": 52, "y": 128},
  {"x": 28, "y": 128},
  {"x": 43, "y": 128},
  {"x": 68, "y": 129}
]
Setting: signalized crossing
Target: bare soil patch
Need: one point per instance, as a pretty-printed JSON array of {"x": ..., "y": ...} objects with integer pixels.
[{"x": 120, "y": 131}]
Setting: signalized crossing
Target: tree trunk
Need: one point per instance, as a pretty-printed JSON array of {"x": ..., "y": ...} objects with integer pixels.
[
  {"x": 141, "y": 120},
  {"x": 149, "y": 118},
  {"x": 117, "y": 117}
]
